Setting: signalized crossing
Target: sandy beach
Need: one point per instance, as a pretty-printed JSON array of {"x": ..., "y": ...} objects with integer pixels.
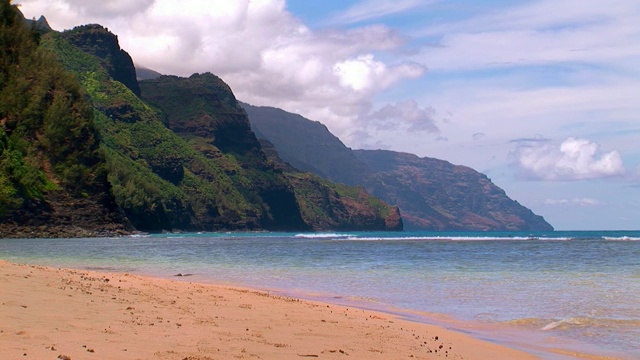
[{"x": 49, "y": 313}]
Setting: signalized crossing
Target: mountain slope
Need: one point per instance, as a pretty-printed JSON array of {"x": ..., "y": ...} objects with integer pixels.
[
  {"x": 313, "y": 149},
  {"x": 160, "y": 179},
  {"x": 435, "y": 194},
  {"x": 432, "y": 194},
  {"x": 183, "y": 157},
  {"x": 202, "y": 110},
  {"x": 327, "y": 205},
  {"x": 52, "y": 177}
]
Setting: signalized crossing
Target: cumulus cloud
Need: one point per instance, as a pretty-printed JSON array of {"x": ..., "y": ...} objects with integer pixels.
[
  {"x": 574, "y": 159},
  {"x": 582, "y": 202},
  {"x": 267, "y": 55}
]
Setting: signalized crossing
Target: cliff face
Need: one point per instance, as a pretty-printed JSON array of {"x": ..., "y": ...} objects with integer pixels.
[
  {"x": 99, "y": 42},
  {"x": 331, "y": 206},
  {"x": 177, "y": 154},
  {"x": 196, "y": 170},
  {"x": 203, "y": 111},
  {"x": 435, "y": 194},
  {"x": 431, "y": 194}
]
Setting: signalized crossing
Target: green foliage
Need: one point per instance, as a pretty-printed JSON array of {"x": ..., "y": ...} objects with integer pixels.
[
  {"x": 329, "y": 205},
  {"x": 158, "y": 178},
  {"x": 46, "y": 124}
]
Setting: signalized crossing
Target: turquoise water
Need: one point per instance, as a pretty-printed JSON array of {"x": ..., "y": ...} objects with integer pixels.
[{"x": 574, "y": 290}]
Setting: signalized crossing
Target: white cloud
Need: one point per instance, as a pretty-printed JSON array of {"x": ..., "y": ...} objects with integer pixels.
[
  {"x": 582, "y": 202},
  {"x": 364, "y": 73},
  {"x": 539, "y": 33},
  {"x": 107, "y": 8},
  {"x": 574, "y": 159}
]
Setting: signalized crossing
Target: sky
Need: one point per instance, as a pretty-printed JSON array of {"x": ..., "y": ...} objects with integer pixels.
[{"x": 543, "y": 96}]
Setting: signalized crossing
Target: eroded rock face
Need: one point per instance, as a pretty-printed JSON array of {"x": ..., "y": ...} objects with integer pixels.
[
  {"x": 100, "y": 42},
  {"x": 435, "y": 194}
]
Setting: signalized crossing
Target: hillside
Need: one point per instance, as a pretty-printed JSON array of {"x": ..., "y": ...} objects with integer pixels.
[
  {"x": 431, "y": 194},
  {"x": 315, "y": 149},
  {"x": 160, "y": 179},
  {"x": 203, "y": 111},
  {"x": 435, "y": 194},
  {"x": 329, "y": 205},
  {"x": 52, "y": 170}
]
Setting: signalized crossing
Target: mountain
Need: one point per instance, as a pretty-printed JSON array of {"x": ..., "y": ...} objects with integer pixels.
[
  {"x": 314, "y": 148},
  {"x": 435, "y": 194},
  {"x": 330, "y": 205},
  {"x": 103, "y": 45},
  {"x": 144, "y": 73},
  {"x": 203, "y": 111},
  {"x": 162, "y": 178},
  {"x": 86, "y": 150},
  {"x": 432, "y": 194}
]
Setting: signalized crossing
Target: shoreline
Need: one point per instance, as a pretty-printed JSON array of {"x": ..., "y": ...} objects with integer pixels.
[
  {"x": 552, "y": 348},
  {"x": 89, "y": 314}
]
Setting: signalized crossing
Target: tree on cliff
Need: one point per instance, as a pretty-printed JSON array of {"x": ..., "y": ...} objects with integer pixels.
[{"x": 47, "y": 137}]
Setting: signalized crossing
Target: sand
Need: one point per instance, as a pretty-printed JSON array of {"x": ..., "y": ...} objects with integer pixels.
[{"x": 49, "y": 313}]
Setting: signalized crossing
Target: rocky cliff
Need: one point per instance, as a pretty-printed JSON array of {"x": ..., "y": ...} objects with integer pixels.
[
  {"x": 431, "y": 194},
  {"x": 203, "y": 111},
  {"x": 435, "y": 194},
  {"x": 103, "y": 45},
  {"x": 328, "y": 205}
]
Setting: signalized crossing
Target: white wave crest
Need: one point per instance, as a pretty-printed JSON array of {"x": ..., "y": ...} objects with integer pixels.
[
  {"x": 622, "y": 238},
  {"x": 321, "y": 236}
]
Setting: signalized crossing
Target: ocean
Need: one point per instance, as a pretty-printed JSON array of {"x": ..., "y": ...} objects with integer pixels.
[{"x": 568, "y": 290}]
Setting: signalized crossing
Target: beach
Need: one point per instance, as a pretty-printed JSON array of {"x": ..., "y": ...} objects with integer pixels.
[{"x": 50, "y": 313}]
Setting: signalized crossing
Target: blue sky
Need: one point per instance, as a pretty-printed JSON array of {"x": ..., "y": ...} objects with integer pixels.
[{"x": 540, "y": 95}]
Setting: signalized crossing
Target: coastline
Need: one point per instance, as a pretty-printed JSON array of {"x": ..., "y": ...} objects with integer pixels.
[{"x": 82, "y": 314}]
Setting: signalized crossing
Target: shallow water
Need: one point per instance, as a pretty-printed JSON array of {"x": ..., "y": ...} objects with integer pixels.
[{"x": 577, "y": 290}]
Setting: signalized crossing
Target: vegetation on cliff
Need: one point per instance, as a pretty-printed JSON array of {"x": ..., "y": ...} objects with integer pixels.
[
  {"x": 328, "y": 205},
  {"x": 50, "y": 156},
  {"x": 159, "y": 179},
  {"x": 87, "y": 150}
]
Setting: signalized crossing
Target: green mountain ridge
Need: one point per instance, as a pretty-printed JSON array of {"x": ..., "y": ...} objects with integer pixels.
[
  {"x": 172, "y": 154},
  {"x": 432, "y": 194}
]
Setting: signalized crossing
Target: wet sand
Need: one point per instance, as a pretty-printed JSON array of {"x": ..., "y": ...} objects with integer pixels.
[{"x": 50, "y": 313}]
